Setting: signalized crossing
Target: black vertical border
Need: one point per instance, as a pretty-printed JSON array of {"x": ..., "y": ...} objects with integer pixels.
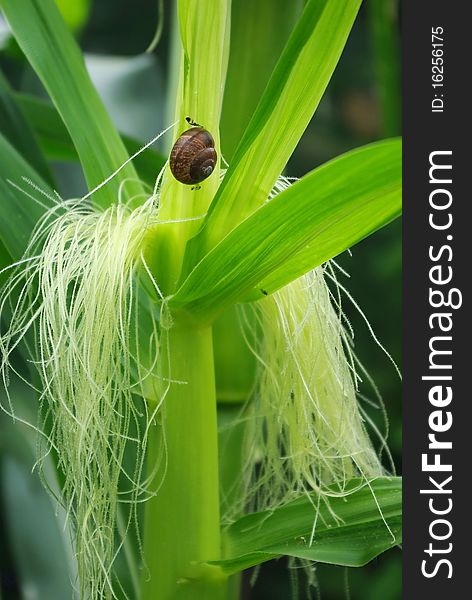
[{"x": 425, "y": 132}]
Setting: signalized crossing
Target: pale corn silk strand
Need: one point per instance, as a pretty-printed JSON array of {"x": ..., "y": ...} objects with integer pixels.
[
  {"x": 306, "y": 426},
  {"x": 77, "y": 302},
  {"x": 80, "y": 296},
  {"x": 305, "y": 429},
  {"x": 306, "y": 434}
]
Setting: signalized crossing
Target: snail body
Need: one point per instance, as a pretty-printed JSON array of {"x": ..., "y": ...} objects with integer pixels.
[{"x": 193, "y": 156}]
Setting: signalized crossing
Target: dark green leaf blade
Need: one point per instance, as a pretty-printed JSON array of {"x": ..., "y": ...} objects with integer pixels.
[
  {"x": 19, "y": 212},
  {"x": 250, "y": 65},
  {"x": 323, "y": 214},
  {"x": 385, "y": 44},
  {"x": 367, "y": 523},
  {"x": 53, "y": 53},
  {"x": 50, "y": 130},
  {"x": 57, "y": 144},
  {"x": 15, "y": 128}
]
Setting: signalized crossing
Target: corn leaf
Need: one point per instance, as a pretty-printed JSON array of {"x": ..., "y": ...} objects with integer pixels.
[
  {"x": 388, "y": 205},
  {"x": 250, "y": 65},
  {"x": 19, "y": 212},
  {"x": 75, "y": 13},
  {"x": 57, "y": 144},
  {"x": 357, "y": 534},
  {"x": 5, "y": 260},
  {"x": 289, "y": 101},
  {"x": 204, "y": 32},
  {"x": 52, "y": 134},
  {"x": 53, "y": 53},
  {"x": 324, "y": 213},
  {"x": 16, "y": 129}
]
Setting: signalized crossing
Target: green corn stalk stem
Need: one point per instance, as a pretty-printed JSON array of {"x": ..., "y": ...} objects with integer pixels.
[{"x": 182, "y": 522}]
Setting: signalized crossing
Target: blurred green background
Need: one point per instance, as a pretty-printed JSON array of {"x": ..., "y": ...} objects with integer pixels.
[{"x": 362, "y": 104}]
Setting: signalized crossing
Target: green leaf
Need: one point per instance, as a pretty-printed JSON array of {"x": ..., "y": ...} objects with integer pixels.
[
  {"x": 57, "y": 144},
  {"x": 75, "y": 13},
  {"x": 19, "y": 212},
  {"x": 385, "y": 193},
  {"x": 204, "y": 64},
  {"x": 323, "y": 214},
  {"x": 5, "y": 260},
  {"x": 15, "y": 128},
  {"x": 289, "y": 101},
  {"x": 49, "y": 128},
  {"x": 366, "y": 523},
  {"x": 53, "y": 53},
  {"x": 204, "y": 30},
  {"x": 250, "y": 65}
]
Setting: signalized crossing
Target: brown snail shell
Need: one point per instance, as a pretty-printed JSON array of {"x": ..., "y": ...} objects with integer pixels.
[{"x": 193, "y": 156}]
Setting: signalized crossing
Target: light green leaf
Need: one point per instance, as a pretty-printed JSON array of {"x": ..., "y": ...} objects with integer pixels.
[
  {"x": 57, "y": 144},
  {"x": 53, "y": 53},
  {"x": 367, "y": 523},
  {"x": 388, "y": 205},
  {"x": 75, "y": 13},
  {"x": 323, "y": 214},
  {"x": 204, "y": 65},
  {"x": 289, "y": 101},
  {"x": 204, "y": 32}
]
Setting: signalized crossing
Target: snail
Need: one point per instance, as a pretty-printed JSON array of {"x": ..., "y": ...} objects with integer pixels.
[{"x": 193, "y": 156}]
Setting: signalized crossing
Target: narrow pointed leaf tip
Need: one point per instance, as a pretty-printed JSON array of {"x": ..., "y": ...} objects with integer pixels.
[
  {"x": 320, "y": 216},
  {"x": 350, "y": 530}
]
